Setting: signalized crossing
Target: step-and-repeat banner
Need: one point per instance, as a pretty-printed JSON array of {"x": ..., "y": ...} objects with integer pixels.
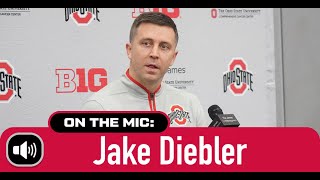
[{"x": 52, "y": 60}]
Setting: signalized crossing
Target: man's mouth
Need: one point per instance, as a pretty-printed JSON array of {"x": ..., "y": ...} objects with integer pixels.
[{"x": 152, "y": 66}]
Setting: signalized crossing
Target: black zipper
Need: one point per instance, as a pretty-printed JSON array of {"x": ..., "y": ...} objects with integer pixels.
[{"x": 152, "y": 101}]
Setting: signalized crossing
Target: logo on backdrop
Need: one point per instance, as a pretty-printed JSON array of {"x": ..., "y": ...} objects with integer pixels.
[
  {"x": 238, "y": 79},
  {"x": 234, "y": 13},
  {"x": 9, "y": 82},
  {"x": 178, "y": 115},
  {"x": 176, "y": 70},
  {"x": 214, "y": 13},
  {"x": 82, "y": 16},
  {"x": 171, "y": 12},
  {"x": 14, "y": 11},
  {"x": 173, "y": 79},
  {"x": 80, "y": 80}
]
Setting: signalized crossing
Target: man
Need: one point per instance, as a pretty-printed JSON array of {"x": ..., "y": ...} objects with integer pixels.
[{"x": 152, "y": 50}]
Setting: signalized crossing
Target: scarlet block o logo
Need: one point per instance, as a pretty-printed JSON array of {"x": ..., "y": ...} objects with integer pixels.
[
  {"x": 82, "y": 16},
  {"x": 7, "y": 96},
  {"x": 9, "y": 83},
  {"x": 82, "y": 20},
  {"x": 178, "y": 121},
  {"x": 178, "y": 115},
  {"x": 237, "y": 78},
  {"x": 214, "y": 13}
]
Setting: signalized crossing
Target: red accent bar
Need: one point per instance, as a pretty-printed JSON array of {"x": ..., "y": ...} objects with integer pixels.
[{"x": 230, "y": 150}]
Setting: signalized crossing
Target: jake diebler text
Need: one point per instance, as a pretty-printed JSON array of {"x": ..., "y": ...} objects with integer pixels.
[{"x": 172, "y": 152}]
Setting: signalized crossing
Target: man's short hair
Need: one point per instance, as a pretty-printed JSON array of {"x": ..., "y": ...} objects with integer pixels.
[{"x": 154, "y": 18}]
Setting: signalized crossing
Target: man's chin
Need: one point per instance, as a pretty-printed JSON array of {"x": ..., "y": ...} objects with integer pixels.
[{"x": 152, "y": 77}]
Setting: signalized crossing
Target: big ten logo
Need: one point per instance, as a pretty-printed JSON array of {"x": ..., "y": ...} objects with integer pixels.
[
  {"x": 80, "y": 80},
  {"x": 171, "y": 12}
]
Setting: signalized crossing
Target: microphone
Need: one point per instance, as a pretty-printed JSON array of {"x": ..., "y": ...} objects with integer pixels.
[{"x": 221, "y": 120}]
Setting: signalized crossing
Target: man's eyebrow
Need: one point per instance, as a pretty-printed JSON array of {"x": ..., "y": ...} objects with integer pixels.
[
  {"x": 167, "y": 44},
  {"x": 150, "y": 39},
  {"x": 146, "y": 39}
]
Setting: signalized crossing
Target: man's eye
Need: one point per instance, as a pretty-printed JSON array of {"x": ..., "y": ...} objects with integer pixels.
[
  {"x": 165, "y": 47},
  {"x": 146, "y": 43}
]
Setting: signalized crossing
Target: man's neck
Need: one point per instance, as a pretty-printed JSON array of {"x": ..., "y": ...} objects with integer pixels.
[{"x": 151, "y": 87}]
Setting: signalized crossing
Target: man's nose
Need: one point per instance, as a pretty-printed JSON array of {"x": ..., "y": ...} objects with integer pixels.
[{"x": 154, "y": 52}]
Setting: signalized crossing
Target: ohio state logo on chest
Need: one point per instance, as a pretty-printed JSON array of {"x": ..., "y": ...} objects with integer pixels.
[{"x": 178, "y": 115}]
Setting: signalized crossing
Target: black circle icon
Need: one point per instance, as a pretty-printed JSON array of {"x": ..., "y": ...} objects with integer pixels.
[{"x": 24, "y": 149}]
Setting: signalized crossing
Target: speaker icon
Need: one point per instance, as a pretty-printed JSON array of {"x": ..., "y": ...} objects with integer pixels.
[{"x": 24, "y": 149}]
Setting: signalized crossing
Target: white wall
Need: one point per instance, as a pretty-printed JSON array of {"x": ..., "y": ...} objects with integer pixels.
[{"x": 301, "y": 63}]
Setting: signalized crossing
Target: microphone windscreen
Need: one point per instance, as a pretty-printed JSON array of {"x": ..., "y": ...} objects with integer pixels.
[{"x": 214, "y": 110}]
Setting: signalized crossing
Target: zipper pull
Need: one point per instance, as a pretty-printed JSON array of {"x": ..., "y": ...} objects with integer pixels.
[{"x": 151, "y": 95}]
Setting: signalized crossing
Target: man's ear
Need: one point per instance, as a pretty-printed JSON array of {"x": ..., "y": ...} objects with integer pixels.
[
  {"x": 128, "y": 48},
  {"x": 174, "y": 58}
]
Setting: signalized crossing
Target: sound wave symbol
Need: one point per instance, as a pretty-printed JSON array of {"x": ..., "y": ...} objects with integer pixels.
[{"x": 32, "y": 150}]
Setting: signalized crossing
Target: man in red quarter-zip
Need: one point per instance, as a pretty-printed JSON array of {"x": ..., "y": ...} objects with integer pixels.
[{"x": 152, "y": 50}]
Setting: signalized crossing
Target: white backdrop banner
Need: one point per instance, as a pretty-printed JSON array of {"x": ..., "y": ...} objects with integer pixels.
[{"x": 54, "y": 59}]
